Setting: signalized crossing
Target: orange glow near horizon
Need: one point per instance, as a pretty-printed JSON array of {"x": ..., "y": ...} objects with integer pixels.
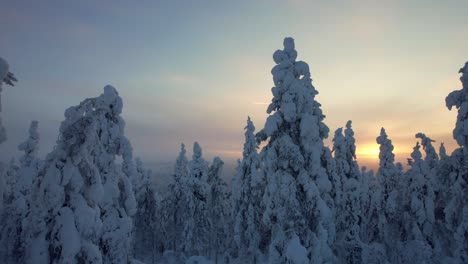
[{"x": 367, "y": 151}]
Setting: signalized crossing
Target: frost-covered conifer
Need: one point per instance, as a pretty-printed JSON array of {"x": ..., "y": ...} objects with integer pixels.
[
  {"x": 197, "y": 225},
  {"x": 14, "y": 204},
  {"x": 350, "y": 142},
  {"x": 19, "y": 185},
  {"x": 176, "y": 206},
  {"x": 82, "y": 200},
  {"x": 247, "y": 191},
  {"x": 219, "y": 210},
  {"x": 348, "y": 208},
  {"x": 456, "y": 211},
  {"x": 373, "y": 220},
  {"x": 29, "y": 161},
  {"x": 389, "y": 177},
  {"x": 459, "y": 99},
  {"x": 8, "y": 78},
  {"x": 342, "y": 166},
  {"x": 297, "y": 183},
  {"x": 442, "y": 151},
  {"x": 147, "y": 231},
  {"x": 431, "y": 155},
  {"x": 420, "y": 224}
]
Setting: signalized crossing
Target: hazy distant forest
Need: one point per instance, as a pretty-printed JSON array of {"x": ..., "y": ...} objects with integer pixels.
[{"x": 293, "y": 200}]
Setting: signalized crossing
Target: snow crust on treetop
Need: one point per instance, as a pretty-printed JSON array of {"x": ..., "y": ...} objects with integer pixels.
[
  {"x": 459, "y": 99},
  {"x": 293, "y": 95}
]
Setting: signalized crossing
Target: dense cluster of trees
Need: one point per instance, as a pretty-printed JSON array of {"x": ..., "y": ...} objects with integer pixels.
[{"x": 293, "y": 201}]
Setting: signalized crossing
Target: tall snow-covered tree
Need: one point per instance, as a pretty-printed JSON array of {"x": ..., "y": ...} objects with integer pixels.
[
  {"x": 342, "y": 166},
  {"x": 146, "y": 235},
  {"x": 219, "y": 211},
  {"x": 29, "y": 161},
  {"x": 350, "y": 142},
  {"x": 348, "y": 207},
  {"x": 197, "y": 225},
  {"x": 8, "y": 78},
  {"x": 297, "y": 182},
  {"x": 82, "y": 200},
  {"x": 456, "y": 211},
  {"x": 420, "y": 202},
  {"x": 459, "y": 99},
  {"x": 176, "y": 205},
  {"x": 442, "y": 151},
  {"x": 431, "y": 158},
  {"x": 20, "y": 183},
  {"x": 389, "y": 176},
  {"x": 247, "y": 191}
]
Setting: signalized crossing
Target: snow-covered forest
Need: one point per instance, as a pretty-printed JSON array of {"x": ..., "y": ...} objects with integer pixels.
[{"x": 293, "y": 200}]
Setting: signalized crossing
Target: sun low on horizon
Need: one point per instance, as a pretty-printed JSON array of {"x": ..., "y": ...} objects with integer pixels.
[{"x": 191, "y": 72}]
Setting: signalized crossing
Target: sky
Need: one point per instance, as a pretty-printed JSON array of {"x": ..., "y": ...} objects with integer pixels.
[{"x": 194, "y": 70}]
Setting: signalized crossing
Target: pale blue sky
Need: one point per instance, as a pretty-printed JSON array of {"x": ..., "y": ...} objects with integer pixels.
[{"x": 194, "y": 70}]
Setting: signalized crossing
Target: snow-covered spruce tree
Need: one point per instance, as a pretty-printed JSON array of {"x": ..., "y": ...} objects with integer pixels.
[
  {"x": 29, "y": 161},
  {"x": 459, "y": 99},
  {"x": 442, "y": 151},
  {"x": 247, "y": 191},
  {"x": 350, "y": 142},
  {"x": 10, "y": 177},
  {"x": 146, "y": 234},
  {"x": 197, "y": 225},
  {"x": 20, "y": 183},
  {"x": 8, "y": 78},
  {"x": 348, "y": 208},
  {"x": 389, "y": 176},
  {"x": 373, "y": 220},
  {"x": 456, "y": 211},
  {"x": 177, "y": 204},
  {"x": 431, "y": 158},
  {"x": 219, "y": 211},
  {"x": 420, "y": 203},
  {"x": 341, "y": 167},
  {"x": 297, "y": 181},
  {"x": 82, "y": 200}
]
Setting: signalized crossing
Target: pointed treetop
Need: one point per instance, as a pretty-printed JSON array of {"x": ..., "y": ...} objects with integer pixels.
[
  {"x": 250, "y": 126},
  {"x": 431, "y": 154},
  {"x": 350, "y": 141},
  {"x": 386, "y": 156},
  {"x": 288, "y": 44},
  {"x": 339, "y": 132},
  {"x": 197, "y": 151},
  {"x": 217, "y": 162},
  {"x": 442, "y": 151},
  {"x": 180, "y": 170},
  {"x": 110, "y": 98},
  {"x": 289, "y": 54},
  {"x": 383, "y": 136},
  {"x": 349, "y": 133},
  {"x": 182, "y": 149},
  {"x": 416, "y": 154},
  {"x": 250, "y": 143},
  {"x": 338, "y": 138}
]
